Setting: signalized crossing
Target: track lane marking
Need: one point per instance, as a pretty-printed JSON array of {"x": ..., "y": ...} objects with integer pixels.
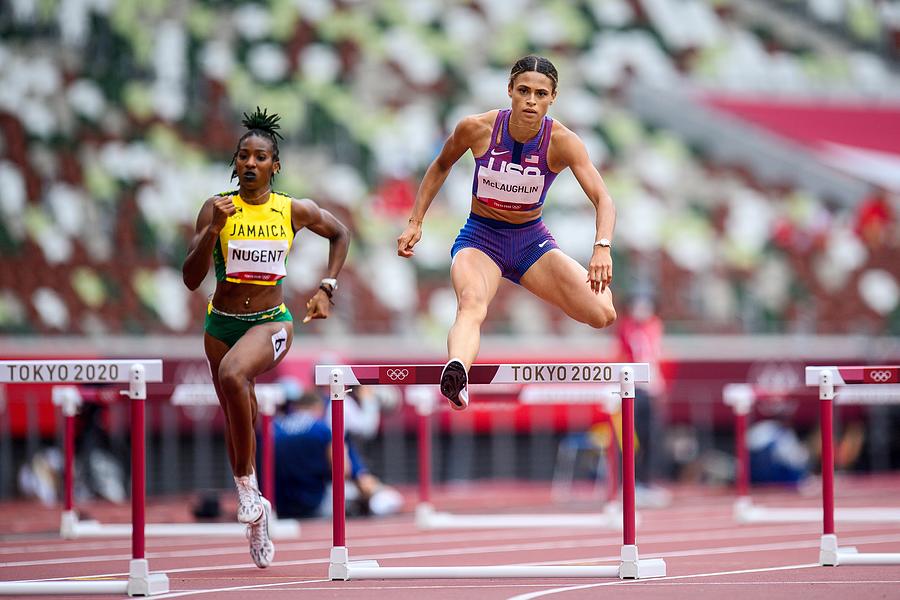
[{"x": 560, "y": 590}]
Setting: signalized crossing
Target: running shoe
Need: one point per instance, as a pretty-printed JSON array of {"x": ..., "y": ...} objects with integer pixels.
[
  {"x": 454, "y": 383},
  {"x": 250, "y": 506},
  {"x": 262, "y": 550}
]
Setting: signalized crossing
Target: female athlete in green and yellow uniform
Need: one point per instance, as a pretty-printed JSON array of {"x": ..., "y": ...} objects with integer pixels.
[{"x": 248, "y": 234}]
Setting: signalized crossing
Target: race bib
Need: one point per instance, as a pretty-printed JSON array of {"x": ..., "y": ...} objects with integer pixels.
[
  {"x": 510, "y": 187},
  {"x": 260, "y": 260}
]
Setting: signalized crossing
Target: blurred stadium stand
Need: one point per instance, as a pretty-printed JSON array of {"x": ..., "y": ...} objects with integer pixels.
[{"x": 117, "y": 119}]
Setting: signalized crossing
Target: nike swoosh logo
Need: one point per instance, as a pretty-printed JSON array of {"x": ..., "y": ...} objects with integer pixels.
[
  {"x": 498, "y": 153},
  {"x": 541, "y": 245}
]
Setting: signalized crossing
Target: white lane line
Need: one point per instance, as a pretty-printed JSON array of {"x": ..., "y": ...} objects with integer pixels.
[
  {"x": 644, "y": 583},
  {"x": 347, "y": 587},
  {"x": 588, "y": 586},
  {"x": 857, "y": 582}
]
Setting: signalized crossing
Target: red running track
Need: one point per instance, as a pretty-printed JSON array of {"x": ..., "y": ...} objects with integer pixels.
[{"x": 708, "y": 555}]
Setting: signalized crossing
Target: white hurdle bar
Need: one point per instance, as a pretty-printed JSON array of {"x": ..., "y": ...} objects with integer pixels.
[
  {"x": 339, "y": 376},
  {"x": 425, "y": 399},
  {"x": 135, "y": 372},
  {"x": 69, "y": 398},
  {"x": 830, "y": 554},
  {"x": 741, "y": 398}
]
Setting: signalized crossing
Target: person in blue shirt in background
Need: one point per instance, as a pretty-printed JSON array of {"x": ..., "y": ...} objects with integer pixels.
[
  {"x": 303, "y": 463},
  {"x": 777, "y": 455},
  {"x": 302, "y": 457}
]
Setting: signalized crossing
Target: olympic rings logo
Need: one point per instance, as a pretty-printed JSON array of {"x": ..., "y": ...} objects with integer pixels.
[
  {"x": 880, "y": 376},
  {"x": 397, "y": 374}
]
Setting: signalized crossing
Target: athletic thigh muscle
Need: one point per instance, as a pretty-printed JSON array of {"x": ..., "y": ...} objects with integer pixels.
[
  {"x": 475, "y": 275},
  {"x": 560, "y": 280},
  {"x": 216, "y": 350},
  {"x": 260, "y": 349}
]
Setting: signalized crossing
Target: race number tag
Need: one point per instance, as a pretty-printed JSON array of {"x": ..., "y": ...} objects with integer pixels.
[{"x": 279, "y": 342}]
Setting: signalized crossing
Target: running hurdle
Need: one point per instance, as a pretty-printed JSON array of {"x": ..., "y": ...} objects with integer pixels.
[
  {"x": 339, "y": 376},
  {"x": 826, "y": 378},
  {"x": 69, "y": 398},
  {"x": 135, "y": 372},
  {"x": 425, "y": 399},
  {"x": 742, "y": 397}
]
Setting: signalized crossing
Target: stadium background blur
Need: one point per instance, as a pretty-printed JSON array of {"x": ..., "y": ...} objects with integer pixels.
[{"x": 752, "y": 148}]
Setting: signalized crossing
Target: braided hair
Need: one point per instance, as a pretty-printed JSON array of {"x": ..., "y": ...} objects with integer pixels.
[
  {"x": 263, "y": 124},
  {"x": 534, "y": 63}
]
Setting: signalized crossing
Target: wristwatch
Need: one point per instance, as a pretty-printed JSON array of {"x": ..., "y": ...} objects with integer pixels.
[
  {"x": 603, "y": 242},
  {"x": 330, "y": 281}
]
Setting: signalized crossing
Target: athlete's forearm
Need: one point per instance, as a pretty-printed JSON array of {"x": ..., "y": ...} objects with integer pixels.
[
  {"x": 196, "y": 264},
  {"x": 432, "y": 181},
  {"x": 606, "y": 217},
  {"x": 338, "y": 246}
]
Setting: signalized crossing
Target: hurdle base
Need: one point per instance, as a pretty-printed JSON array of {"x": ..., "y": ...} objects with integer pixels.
[
  {"x": 424, "y": 515},
  {"x": 868, "y": 558},
  {"x": 342, "y": 568},
  {"x": 72, "y": 528},
  {"x": 742, "y": 509},
  {"x": 68, "y": 523},
  {"x": 339, "y": 563},
  {"x": 428, "y": 518},
  {"x": 143, "y": 583},
  {"x": 60, "y": 588},
  {"x": 746, "y": 512},
  {"x": 633, "y": 567},
  {"x": 831, "y": 555}
]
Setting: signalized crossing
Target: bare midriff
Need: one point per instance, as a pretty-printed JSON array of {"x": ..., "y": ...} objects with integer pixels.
[
  {"x": 233, "y": 297},
  {"x": 510, "y": 216}
]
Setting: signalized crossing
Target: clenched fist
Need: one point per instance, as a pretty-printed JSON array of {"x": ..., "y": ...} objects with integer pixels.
[{"x": 222, "y": 208}]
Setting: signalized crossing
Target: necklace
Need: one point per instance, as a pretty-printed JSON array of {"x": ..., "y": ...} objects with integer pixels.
[{"x": 264, "y": 192}]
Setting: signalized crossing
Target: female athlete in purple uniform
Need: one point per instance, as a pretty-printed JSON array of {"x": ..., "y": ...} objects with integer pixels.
[{"x": 519, "y": 152}]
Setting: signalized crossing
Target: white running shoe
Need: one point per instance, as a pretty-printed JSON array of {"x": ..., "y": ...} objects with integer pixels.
[
  {"x": 262, "y": 550},
  {"x": 454, "y": 384},
  {"x": 250, "y": 507}
]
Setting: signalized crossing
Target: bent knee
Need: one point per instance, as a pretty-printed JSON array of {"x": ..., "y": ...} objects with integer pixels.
[
  {"x": 472, "y": 305},
  {"x": 603, "y": 316},
  {"x": 231, "y": 380}
]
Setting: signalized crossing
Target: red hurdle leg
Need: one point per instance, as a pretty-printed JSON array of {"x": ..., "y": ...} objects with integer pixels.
[
  {"x": 69, "y": 469},
  {"x": 337, "y": 468},
  {"x": 424, "y": 434},
  {"x": 826, "y": 416},
  {"x": 628, "y": 523},
  {"x": 828, "y": 546},
  {"x": 138, "y": 489}
]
